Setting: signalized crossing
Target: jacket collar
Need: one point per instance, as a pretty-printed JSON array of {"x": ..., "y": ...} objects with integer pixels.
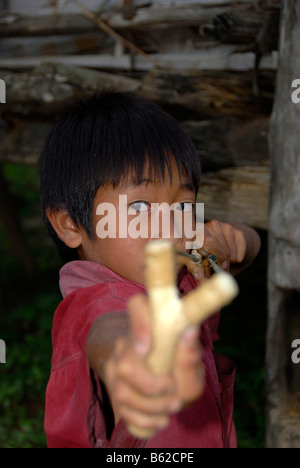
[{"x": 81, "y": 274}]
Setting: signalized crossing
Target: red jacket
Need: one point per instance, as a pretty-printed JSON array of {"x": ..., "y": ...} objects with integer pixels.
[{"x": 77, "y": 410}]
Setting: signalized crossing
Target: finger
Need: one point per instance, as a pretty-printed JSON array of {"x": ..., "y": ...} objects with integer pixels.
[
  {"x": 138, "y": 307},
  {"x": 144, "y": 421},
  {"x": 229, "y": 236},
  {"x": 215, "y": 242},
  {"x": 128, "y": 396},
  {"x": 195, "y": 270},
  {"x": 142, "y": 380},
  {"x": 241, "y": 244}
]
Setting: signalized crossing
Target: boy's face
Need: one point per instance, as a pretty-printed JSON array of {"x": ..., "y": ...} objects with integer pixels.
[{"x": 120, "y": 213}]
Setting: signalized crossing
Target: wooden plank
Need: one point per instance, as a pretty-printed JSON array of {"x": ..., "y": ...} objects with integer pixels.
[
  {"x": 238, "y": 194},
  {"x": 96, "y": 42},
  {"x": 220, "y": 58},
  {"x": 209, "y": 94},
  {"x": 90, "y": 43},
  {"x": 48, "y": 89},
  {"x": 48, "y": 7},
  {"x": 210, "y": 3},
  {"x": 232, "y": 142},
  {"x": 239, "y": 142},
  {"x": 14, "y": 25},
  {"x": 156, "y": 17},
  {"x": 103, "y": 61}
]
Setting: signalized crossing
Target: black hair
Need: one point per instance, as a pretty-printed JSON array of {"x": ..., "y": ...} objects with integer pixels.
[{"x": 101, "y": 141}]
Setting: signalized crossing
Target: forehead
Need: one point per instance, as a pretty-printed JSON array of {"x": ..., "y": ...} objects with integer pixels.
[{"x": 169, "y": 174}]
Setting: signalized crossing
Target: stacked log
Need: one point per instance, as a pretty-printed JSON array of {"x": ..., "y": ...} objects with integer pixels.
[{"x": 210, "y": 64}]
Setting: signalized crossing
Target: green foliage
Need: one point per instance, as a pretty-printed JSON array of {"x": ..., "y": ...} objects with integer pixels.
[
  {"x": 26, "y": 312},
  {"x": 25, "y": 326}
]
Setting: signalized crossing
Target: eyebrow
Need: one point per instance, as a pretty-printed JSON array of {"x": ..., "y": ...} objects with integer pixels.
[
  {"x": 137, "y": 182},
  {"x": 187, "y": 186}
]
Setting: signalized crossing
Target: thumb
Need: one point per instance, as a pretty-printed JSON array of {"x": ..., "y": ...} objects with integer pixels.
[{"x": 141, "y": 335}]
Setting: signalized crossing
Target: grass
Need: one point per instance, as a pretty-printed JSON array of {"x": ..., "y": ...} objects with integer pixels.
[{"x": 26, "y": 311}]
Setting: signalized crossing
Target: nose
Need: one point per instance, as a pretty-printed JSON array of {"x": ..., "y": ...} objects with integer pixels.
[{"x": 166, "y": 223}]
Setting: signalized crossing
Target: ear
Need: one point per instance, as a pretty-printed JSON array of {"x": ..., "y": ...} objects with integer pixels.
[{"x": 65, "y": 228}]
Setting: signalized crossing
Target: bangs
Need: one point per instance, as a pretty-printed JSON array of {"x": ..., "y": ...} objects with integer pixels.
[{"x": 141, "y": 144}]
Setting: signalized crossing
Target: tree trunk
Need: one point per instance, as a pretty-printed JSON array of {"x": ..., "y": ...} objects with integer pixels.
[{"x": 283, "y": 377}]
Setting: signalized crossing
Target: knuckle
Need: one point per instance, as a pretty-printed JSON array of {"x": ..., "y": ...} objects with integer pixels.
[
  {"x": 227, "y": 227},
  {"x": 124, "y": 366},
  {"x": 152, "y": 386},
  {"x": 214, "y": 222}
]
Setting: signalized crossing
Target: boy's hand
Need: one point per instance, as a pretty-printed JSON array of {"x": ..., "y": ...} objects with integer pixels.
[
  {"x": 235, "y": 245},
  {"x": 227, "y": 242},
  {"x": 139, "y": 397}
]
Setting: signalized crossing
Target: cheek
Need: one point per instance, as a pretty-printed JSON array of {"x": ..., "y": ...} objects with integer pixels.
[
  {"x": 188, "y": 227},
  {"x": 125, "y": 257},
  {"x": 131, "y": 264}
]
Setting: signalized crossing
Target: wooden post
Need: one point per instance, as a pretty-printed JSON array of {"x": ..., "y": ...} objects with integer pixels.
[{"x": 282, "y": 375}]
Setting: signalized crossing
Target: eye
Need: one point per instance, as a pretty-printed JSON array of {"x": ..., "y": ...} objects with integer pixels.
[
  {"x": 138, "y": 206},
  {"x": 186, "y": 207}
]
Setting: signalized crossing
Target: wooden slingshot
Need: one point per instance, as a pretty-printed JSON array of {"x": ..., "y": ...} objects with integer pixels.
[{"x": 171, "y": 315}]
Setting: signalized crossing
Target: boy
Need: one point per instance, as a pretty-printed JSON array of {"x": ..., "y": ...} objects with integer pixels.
[{"x": 110, "y": 147}]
